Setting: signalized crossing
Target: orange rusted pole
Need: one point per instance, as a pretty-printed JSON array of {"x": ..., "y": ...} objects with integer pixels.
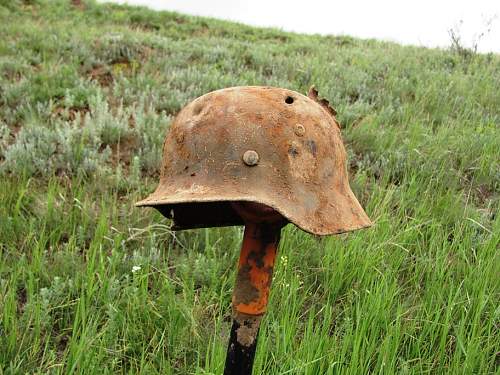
[{"x": 251, "y": 294}]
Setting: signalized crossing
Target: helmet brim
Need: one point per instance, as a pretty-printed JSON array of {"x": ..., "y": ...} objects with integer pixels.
[{"x": 199, "y": 207}]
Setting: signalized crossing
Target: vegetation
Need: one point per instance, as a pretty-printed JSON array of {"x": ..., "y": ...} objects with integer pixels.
[{"x": 90, "y": 284}]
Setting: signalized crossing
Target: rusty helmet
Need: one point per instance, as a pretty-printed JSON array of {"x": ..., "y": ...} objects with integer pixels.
[{"x": 265, "y": 145}]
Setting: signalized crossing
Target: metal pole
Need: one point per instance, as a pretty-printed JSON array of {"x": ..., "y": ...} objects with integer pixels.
[{"x": 251, "y": 294}]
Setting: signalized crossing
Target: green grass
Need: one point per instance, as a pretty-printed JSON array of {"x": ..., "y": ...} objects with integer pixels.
[{"x": 86, "y": 95}]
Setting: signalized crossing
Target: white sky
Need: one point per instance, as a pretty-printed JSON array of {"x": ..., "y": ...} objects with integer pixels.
[{"x": 422, "y": 23}]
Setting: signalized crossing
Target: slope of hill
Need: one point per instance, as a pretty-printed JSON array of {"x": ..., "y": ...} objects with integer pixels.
[{"x": 90, "y": 284}]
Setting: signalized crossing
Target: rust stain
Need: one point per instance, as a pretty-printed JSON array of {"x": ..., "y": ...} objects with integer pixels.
[
  {"x": 245, "y": 291},
  {"x": 255, "y": 270}
]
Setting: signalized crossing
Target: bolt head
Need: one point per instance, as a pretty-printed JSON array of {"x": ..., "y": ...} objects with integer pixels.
[
  {"x": 251, "y": 158},
  {"x": 299, "y": 130}
]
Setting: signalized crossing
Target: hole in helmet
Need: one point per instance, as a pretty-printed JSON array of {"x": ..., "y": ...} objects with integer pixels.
[{"x": 289, "y": 100}]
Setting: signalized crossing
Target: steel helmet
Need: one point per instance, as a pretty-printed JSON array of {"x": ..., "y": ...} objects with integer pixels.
[{"x": 257, "y": 144}]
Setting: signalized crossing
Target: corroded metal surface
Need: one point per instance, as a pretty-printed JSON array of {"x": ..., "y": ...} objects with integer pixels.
[
  {"x": 255, "y": 269},
  {"x": 253, "y": 282},
  {"x": 297, "y": 165}
]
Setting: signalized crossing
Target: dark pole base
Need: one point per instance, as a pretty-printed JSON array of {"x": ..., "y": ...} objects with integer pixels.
[{"x": 240, "y": 357}]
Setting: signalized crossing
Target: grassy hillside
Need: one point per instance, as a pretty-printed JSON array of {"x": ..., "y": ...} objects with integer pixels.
[{"x": 90, "y": 284}]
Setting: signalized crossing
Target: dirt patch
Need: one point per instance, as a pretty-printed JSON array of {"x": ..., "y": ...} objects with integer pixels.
[
  {"x": 131, "y": 121},
  {"x": 79, "y": 4},
  {"x": 123, "y": 151},
  {"x": 15, "y": 129},
  {"x": 484, "y": 193},
  {"x": 125, "y": 67},
  {"x": 202, "y": 31},
  {"x": 22, "y": 298},
  {"x": 14, "y": 76},
  {"x": 105, "y": 74},
  {"x": 13, "y": 132},
  {"x": 71, "y": 113},
  {"x": 146, "y": 26},
  {"x": 61, "y": 343},
  {"x": 102, "y": 75}
]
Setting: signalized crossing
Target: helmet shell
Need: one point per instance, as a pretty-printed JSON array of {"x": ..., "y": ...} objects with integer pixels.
[{"x": 257, "y": 144}]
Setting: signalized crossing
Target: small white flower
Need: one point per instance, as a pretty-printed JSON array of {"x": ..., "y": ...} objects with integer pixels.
[{"x": 136, "y": 268}]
